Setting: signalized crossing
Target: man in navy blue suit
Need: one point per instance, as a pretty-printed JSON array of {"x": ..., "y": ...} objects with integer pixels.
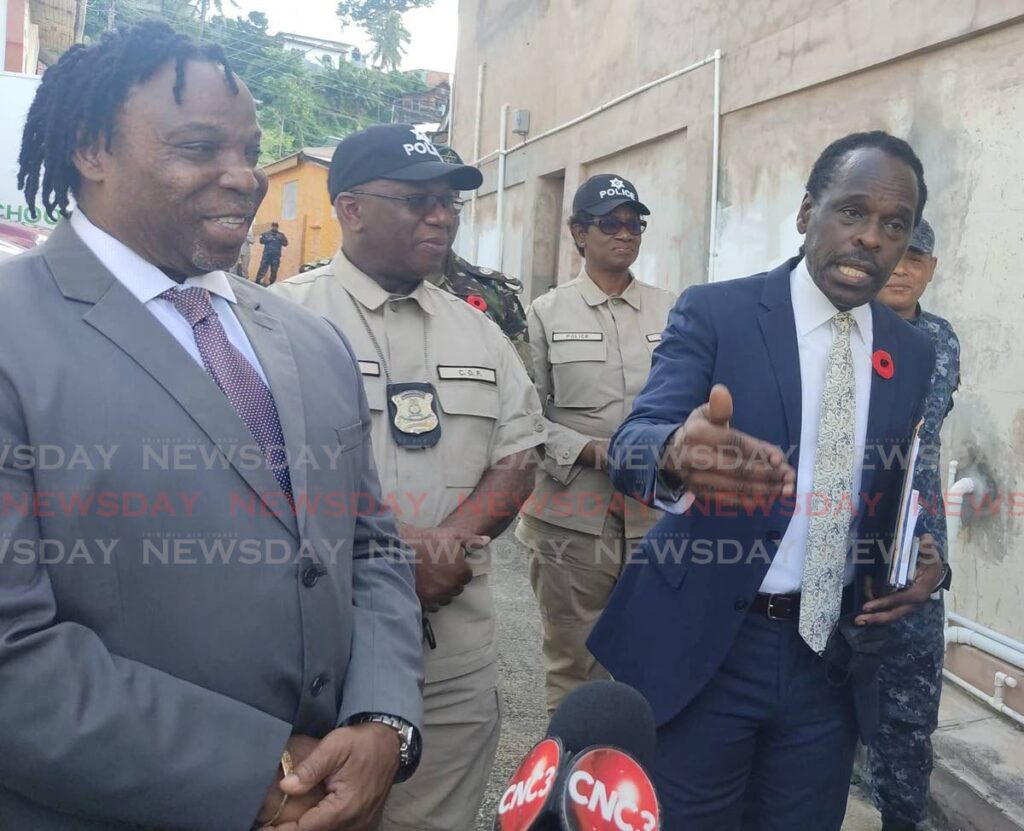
[{"x": 775, "y": 428}]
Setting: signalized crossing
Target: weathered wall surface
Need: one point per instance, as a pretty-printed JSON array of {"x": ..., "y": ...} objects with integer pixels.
[
  {"x": 946, "y": 74},
  {"x": 962, "y": 108}
]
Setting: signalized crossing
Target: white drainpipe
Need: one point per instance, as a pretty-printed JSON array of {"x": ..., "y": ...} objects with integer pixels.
[
  {"x": 502, "y": 160},
  {"x": 968, "y": 632},
  {"x": 477, "y": 126},
  {"x": 993, "y": 701}
]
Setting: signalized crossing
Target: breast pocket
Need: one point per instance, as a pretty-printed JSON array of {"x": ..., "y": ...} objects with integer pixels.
[
  {"x": 576, "y": 369},
  {"x": 469, "y": 419}
]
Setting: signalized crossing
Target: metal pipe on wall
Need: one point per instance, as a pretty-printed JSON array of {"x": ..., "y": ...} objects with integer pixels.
[
  {"x": 967, "y": 637},
  {"x": 991, "y": 700},
  {"x": 990, "y": 634},
  {"x": 477, "y": 125},
  {"x": 715, "y": 156},
  {"x": 619, "y": 99},
  {"x": 968, "y": 632},
  {"x": 502, "y": 150},
  {"x": 502, "y": 156}
]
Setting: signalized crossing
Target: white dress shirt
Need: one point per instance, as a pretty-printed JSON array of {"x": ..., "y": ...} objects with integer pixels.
[
  {"x": 813, "y": 313},
  {"x": 147, "y": 283}
]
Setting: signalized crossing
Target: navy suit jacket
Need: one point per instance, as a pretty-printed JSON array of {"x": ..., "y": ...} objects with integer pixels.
[{"x": 674, "y": 614}]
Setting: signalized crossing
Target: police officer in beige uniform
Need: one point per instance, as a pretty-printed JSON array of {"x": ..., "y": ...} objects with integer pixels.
[
  {"x": 455, "y": 421},
  {"x": 592, "y": 340}
]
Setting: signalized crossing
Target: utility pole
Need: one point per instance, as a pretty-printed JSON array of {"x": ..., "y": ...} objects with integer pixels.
[
  {"x": 111, "y": 14},
  {"x": 204, "y": 7}
]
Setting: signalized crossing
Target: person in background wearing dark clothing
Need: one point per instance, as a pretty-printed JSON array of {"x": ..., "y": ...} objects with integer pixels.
[
  {"x": 272, "y": 241},
  {"x": 910, "y": 680}
]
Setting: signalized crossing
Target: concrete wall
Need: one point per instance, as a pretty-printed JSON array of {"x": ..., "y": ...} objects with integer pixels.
[{"x": 946, "y": 74}]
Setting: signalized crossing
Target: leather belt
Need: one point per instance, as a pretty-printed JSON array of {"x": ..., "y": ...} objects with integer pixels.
[
  {"x": 787, "y": 606},
  {"x": 777, "y": 606}
]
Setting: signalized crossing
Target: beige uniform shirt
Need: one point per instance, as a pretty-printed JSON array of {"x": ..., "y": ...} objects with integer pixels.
[
  {"x": 591, "y": 356},
  {"x": 488, "y": 411}
]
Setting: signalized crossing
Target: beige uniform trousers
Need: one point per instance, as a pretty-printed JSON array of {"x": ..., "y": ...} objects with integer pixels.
[
  {"x": 572, "y": 574},
  {"x": 461, "y": 724}
]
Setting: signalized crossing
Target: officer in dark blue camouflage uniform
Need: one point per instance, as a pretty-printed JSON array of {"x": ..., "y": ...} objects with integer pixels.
[{"x": 910, "y": 680}]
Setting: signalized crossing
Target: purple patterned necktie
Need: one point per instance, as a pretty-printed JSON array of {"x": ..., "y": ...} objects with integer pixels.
[{"x": 236, "y": 377}]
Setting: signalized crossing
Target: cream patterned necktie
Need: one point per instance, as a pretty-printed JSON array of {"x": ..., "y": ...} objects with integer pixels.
[{"x": 828, "y": 536}]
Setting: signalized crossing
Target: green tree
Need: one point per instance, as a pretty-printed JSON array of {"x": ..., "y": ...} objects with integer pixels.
[
  {"x": 298, "y": 104},
  {"x": 382, "y": 21}
]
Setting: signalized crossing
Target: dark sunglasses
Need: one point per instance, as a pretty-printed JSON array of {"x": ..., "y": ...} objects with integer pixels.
[
  {"x": 421, "y": 203},
  {"x": 611, "y": 225}
]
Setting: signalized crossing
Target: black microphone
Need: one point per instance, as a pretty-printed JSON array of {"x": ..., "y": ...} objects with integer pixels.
[
  {"x": 607, "y": 713},
  {"x": 588, "y": 773}
]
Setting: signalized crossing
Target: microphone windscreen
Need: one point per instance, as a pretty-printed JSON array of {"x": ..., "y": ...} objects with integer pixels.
[
  {"x": 605, "y": 789},
  {"x": 526, "y": 804},
  {"x": 609, "y": 714}
]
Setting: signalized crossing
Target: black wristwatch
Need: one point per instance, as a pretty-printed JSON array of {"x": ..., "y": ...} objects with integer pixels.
[
  {"x": 410, "y": 746},
  {"x": 945, "y": 583}
]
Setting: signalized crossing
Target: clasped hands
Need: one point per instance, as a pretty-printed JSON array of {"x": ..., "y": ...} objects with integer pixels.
[{"x": 339, "y": 783}]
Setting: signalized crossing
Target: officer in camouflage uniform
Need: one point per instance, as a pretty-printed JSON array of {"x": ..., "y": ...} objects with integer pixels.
[
  {"x": 493, "y": 293},
  {"x": 910, "y": 680}
]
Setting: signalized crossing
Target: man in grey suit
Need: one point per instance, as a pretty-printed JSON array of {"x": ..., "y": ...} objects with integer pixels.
[{"x": 198, "y": 586}]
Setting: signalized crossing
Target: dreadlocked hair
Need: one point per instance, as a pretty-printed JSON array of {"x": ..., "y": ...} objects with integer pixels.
[{"x": 77, "y": 102}]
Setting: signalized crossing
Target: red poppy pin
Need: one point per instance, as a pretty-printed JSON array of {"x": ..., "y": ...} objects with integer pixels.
[
  {"x": 882, "y": 362},
  {"x": 477, "y": 302}
]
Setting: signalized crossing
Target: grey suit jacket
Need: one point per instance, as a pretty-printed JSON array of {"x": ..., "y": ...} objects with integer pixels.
[{"x": 166, "y": 620}]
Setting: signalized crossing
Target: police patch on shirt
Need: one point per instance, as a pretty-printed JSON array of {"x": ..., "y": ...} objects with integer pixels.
[
  {"x": 467, "y": 373},
  {"x": 655, "y": 337},
  {"x": 561, "y": 337},
  {"x": 371, "y": 368}
]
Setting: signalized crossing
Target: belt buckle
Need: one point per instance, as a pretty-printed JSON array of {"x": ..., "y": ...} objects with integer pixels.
[{"x": 768, "y": 612}]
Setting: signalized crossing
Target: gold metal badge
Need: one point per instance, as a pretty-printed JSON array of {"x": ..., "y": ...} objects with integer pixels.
[{"x": 414, "y": 412}]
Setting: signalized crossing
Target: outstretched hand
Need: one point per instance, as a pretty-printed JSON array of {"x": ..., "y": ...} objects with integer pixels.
[{"x": 712, "y": 460}]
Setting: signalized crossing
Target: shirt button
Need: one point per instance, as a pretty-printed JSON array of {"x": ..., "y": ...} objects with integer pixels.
[
  {"x": 565, "y": 454},
  {"x": 310, "y": 577},
  {"x": 740, "y": 605},
  {"x": 318, "y": 685}
]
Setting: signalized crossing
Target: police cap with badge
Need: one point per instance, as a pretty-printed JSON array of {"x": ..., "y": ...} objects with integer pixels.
[
  {"x": 402, "y": 153},
  {"x": 603, "y": 193}
]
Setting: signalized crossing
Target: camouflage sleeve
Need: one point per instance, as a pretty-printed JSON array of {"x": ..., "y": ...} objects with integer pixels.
[
  {"x": 938, "y": 404},
  {"x": 506, "y": 310},
  {"x": 494, "y": 294}
]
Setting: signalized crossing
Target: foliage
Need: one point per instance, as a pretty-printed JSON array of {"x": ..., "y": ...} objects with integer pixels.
[
  {"x": 382, "y": 21},
  {"x": 298, "y": 104}
]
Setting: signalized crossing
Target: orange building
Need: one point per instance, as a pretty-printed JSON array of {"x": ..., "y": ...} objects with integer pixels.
[{"x": 297, "y": 200}]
